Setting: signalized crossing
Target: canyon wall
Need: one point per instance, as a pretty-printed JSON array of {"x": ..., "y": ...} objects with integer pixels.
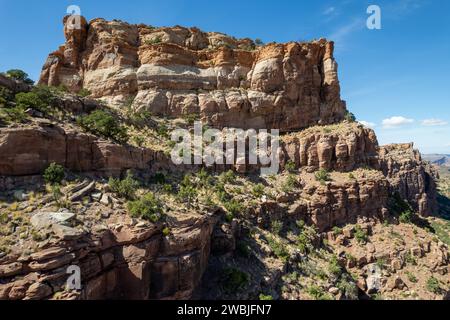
[{"x": 179, "y": 71}]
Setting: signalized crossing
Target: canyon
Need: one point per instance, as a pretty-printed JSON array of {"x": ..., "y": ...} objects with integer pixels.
[{"x": 340, "y": 201}]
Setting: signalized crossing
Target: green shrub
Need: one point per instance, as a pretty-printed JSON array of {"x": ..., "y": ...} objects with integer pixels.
[
  {"x": 258, "y": 190},
  {"x": 54, "y": 174},
  {"x": 411, "y": 277},
  {"x": 290, "y": 166},
  {"x": 168, "y": 188},
  {"x": 322, "y": 175},
  {"x": 147, "y": 207},
  {"x": 187, "y": 191},
  {"x": 361, "y": 235},
  {"x": 277, "y": 226},
  {"x": 5, "y": 96},
  {"x": 406, "y": 216},
  {"x": 279, "y": 249},
  {"x": 205, "y": 179},
  {"x": 334, "y": 268},
  {"x": 104, "y": 124},
  {"x": 350, "y": 117},
  {"x": 259, "y": 42},
  {"x": 163, "y": 131},
  {"x": 84, "y": 92},
  {"x": 125, "y": 188},
  {"x": 166, "y": 231},
  {"x": 234, "y": 280},
  {"x": 433, "y": 285},
  {"x": 349, "y": 289},
  {"x": 264, "y": 297},
  {"x": 138, "y": 140},
  {"x": 318, "y": 293},
  {"x": 290, "y": 183},
  {"x": 233, "y": 207},
  {"x": 153, "y": 41},
  {"x": 19, "y": 75},
  {"x": 227, "y": 177},
  {"x": 13, "y": 115},
  {"x": 337, "y": 231},
  {"x": 40, "y": 98}
]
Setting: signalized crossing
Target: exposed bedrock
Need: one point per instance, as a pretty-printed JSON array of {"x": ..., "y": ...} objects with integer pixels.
[{"x": 179, "y": 71}]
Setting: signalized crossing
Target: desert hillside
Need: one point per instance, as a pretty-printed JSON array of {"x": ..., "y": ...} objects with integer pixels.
[{"x": 87, "y": 180}]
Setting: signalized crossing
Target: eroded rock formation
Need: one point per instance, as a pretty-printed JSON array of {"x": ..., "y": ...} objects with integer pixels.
[
  {"x": 179, "y": 71},
  {"x": 176, "y": 72}
]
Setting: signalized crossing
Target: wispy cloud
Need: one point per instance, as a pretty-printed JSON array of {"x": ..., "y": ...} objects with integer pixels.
[
  {"x": 434, "y": 122},
  {"x": 398, "y": 9},
  {"x": 368, "y": 124},
  {"x": 329, "y": 10},
  {"x": 395, "y": 122},
  {"x": 346, "y": 30}
]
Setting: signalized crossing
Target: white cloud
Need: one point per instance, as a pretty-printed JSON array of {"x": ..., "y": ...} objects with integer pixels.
[
  {"x": 367, "y": 124},
  {"x": 346, "y": 30},
  {"x": 329, "y": 10},
  {"x": 434, "y": 122},
  {"x": 395, "y": 122}
]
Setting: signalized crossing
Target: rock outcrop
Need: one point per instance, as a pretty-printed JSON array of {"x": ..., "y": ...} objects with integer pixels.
[
  {"x": 179, "y": 71},
  {"x": 411, "y": 177},
  {"x": 124, "y": 262},
  {"x": 28, "y": 150}
]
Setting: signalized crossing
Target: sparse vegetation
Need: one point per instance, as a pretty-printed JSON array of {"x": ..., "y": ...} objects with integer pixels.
[
  {"x": 290, "y": 166},
  {"x": 411, "y": 277},
  {"x": 322, "y": 176},
  {"x": 153, "y": 41},
  {"x": 289, "y": 184},
  {"x": 19, "y": 75},
  {"x": 148, "y": 207},
  {"x": 258, "y": 190},
  {"x": 187, "y": 191},
  {"x": 433, "y": 285},
  {"x": 350, "y": 117},
  {"x": 337, "y": 231},
  {"x": 227, "y": 177},
  {"x": 318, "y": 293},
  {"x": 259, "y": 42},
  {"x": 84, "y": 92},
  {"x": 277, "y": 226},
  {"x": 54, "y": 174},
  {"x": 406, "y": 216},
  {"x": 264, "y": 297},
  {"x": 104, "y": 124},
  {"x": 125, "y": 188},
  {"x": 361, "y": 235},
  {"x": 278, "y": 248},
  {"x": 234, "y": 280}
]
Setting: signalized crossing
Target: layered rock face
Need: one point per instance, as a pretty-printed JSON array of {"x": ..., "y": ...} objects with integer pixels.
[
  {"x": 411, "y": 177},
  {"x": 179, "y": 71},
  {"x": 128, "y": 262},
  {"x": 30, "y": 149}
]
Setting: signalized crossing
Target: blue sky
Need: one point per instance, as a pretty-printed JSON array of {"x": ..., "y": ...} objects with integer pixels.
[{"x": 396, "y": 79}]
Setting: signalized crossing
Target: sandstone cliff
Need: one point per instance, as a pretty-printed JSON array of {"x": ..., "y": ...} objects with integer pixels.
[{"x": 179, "y": 71}]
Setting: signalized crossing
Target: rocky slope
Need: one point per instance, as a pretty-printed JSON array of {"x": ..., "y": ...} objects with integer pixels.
[{"x": 341, "y": 203}]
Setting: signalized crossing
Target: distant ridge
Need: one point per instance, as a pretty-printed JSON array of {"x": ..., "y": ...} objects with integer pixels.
[{"x": 438, "y": 159}]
